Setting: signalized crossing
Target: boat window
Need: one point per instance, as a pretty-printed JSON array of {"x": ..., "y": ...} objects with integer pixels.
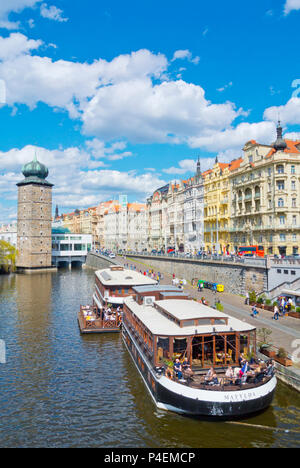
[
  {"x": 206, "y": 321},
  {"x": 162, "y": 348},
  {"x": 179, "y": 347},
  {"x": 220, "y": 322},
  {"x": 188, "y": 323}
]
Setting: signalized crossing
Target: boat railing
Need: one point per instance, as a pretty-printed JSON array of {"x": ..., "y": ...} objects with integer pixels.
[
  {"x": 91, "y": 320},
  {"x": 197, "y": 381}
]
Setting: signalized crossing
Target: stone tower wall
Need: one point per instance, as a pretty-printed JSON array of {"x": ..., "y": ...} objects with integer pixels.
[{"x": 34, "y": 226}]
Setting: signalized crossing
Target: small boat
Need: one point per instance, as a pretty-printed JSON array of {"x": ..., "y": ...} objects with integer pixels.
[
  {"x": 112, "y": 286},
  {"x": 161, "y": 325}
]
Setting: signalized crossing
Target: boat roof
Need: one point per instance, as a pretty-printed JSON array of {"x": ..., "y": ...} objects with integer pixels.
[
  {"x": 154, "y": 318},
  {"x": 156, "y": 287},
  {"x": 119, "y": 276}
]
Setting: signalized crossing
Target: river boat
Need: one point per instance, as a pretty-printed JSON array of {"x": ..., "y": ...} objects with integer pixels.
[
  {"x": 112, "y": 286},
  {"x": 161, "y": 325}
]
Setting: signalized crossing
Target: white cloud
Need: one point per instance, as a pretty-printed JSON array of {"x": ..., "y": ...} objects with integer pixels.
[
  {"x": 228, "y": 85},
  {"x": 185, "y": 55},
  {"x": 52, "y": 13},
  {"x": 288, "y": 113},
  {"x": 15, "y": 45},
  {"x": 291, "y": 5},
  {"x": 292, "y": 136},
  {"x": 16, "y": 6},
  {"x": 185, "y": 165},
  {"x": 235, "y": 138},
  {"x": 143, "y": 112}
]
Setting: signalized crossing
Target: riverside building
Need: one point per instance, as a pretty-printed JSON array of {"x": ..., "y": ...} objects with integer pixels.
[
  {"x": 265, "y": 193},
  {"x": 217, "y": 207},
  {"x": 193, "y": 212}
]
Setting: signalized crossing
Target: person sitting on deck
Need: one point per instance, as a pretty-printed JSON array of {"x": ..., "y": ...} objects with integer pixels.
[
  {"x": 187, "y": 371},
  {"x": 214, "y": 380},
  {"x": 209, "y": 375},
  {"x": 178, "y": 369},
  {"x": 229, "y": 375}
]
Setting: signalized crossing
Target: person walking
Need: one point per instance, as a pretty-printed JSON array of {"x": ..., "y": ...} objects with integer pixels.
[
  {"x": 247, "y": 298},
  {"x": 275, "y": 312}
]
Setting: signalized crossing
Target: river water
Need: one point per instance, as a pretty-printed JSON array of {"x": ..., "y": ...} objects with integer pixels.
[{"x": 59, "y": 388}]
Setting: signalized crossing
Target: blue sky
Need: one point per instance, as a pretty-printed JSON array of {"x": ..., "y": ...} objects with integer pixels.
[{"x": 121, "y": 97}]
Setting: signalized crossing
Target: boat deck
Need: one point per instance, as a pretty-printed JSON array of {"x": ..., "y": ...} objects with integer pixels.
[
  {"x": 255, "y": 378},
  {"x": 89, "y": 322}
]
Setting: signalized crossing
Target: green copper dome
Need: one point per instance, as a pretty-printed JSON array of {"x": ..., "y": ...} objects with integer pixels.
[
  {"x": 35, "y": 173},
  {"x": 35, "y": 169}
]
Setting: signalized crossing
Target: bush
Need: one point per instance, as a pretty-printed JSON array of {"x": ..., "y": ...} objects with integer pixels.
[
  {"x": 275, "y": 303},
  {"x": 219, "y": 307},
  {"x": 260, "y": 300},
  {"x": 252, "y": 296},
  {"x": 263, "y": 335},
  {"x": 298, "y": 310},
  {"x": 268, "y": 302},
  {"x": 281, "y": 353}
]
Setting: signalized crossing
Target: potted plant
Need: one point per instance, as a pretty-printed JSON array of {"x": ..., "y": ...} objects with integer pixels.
[
  {"x": 252, "y": 298},
  {"x": 263, "y": 335},
  {"x": 282, "y": 357}
]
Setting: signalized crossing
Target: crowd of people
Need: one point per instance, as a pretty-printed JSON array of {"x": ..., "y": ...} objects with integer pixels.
[
  {"x": 107, "y": 314},
  {"x": 246, "y": 371}
]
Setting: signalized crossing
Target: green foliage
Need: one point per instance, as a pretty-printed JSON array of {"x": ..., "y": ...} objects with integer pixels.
[
  {"x": 252, "y": 296},
  {"x": 219, "y": 307},
  {"x": 281, "y": 353},
  {"x": 275, "y": 303},
  {"x": 268, "y": 302},
  {"x": 8, "y": 256},
  {"x": 263, "y": 336},
  {"x": 168, "y": 362},
  {"x": 298, "y": 309}
]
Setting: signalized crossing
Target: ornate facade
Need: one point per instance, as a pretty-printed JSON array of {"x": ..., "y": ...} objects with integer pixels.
[
  {"x": 193, "y": 213},
  {"x": 265, "y": 194}
]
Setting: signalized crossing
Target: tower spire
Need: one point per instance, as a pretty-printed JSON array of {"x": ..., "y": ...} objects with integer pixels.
[{"x": 280, "y": 144}]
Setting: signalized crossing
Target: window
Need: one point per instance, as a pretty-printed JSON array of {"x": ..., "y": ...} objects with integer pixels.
[
  {"x": 294, "y": 237},
  {"x": 280, "y": 169},
  {"x": 278, "y": 270},
  {"x": 293, "y": 272},
  {"x": 280, "y": 202},
  {"x": 294, "y": 220},
  {"x": 280, "y": 185},
  {"x": 282, "y": 219},
  {"x": 293, "y": 170},
  {"x": 293, "y": 185},
  {"x": 286, "y": 272},
  {"x": 293, "y": 202},
  {"x": 282, "y": 237},
  {"x": 269, "y": 171}
]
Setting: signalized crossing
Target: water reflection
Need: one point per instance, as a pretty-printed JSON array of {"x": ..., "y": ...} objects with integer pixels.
[{"x": 62, "y": 389}]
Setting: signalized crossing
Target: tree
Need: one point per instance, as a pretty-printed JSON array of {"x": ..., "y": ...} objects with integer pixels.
[{"x": 8, "y": 256}]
